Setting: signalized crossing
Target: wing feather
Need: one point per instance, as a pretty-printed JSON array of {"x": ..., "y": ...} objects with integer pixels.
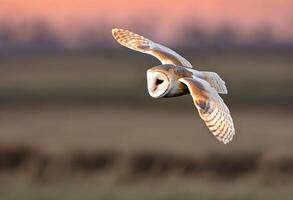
[
  {"x": 211, "y": 108},
  {"x": 139, "y": 43}
]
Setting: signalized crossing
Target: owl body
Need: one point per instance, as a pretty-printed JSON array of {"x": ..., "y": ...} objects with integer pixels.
[
  {"x": 155, "y": 77},
  {"x": 176, "y": 77}
]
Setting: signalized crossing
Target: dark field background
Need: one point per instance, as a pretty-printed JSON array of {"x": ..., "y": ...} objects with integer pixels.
[{"x": 80, "y": 125}]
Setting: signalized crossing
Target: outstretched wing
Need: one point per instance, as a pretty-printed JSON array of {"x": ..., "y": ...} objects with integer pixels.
[
  {"x": 139, "y": 43},
  {"x": 211, "y": 108}
]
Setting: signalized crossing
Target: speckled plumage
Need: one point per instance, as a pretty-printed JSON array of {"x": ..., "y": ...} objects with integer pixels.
[{"x": 175, "y": 77}]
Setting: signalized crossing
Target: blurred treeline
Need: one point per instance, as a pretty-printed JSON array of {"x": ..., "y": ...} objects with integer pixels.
[{"x": 42, "y": 35}]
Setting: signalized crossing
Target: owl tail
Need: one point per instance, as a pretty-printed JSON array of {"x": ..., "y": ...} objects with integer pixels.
[{"x": 215, "y": 81}]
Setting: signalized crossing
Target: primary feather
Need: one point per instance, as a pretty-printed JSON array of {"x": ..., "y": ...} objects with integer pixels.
[{"x": 139, "y": 43}]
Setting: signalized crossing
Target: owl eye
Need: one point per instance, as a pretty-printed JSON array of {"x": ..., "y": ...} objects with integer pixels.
[{"x": 159, "y": 81}]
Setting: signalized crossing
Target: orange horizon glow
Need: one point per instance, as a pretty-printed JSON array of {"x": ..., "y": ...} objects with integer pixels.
[{"x": 163, "y": 19}]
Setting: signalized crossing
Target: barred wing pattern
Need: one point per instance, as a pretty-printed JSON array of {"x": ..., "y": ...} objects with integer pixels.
[
  {"x": 139, "y": 43},
  {"x": 211, "y": 109}
]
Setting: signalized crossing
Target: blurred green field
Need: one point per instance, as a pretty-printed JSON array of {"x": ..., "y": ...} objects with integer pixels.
[
  {"x": 128, "y": 128},
  {"x": 199, "y": 190},
  {"x": 80, "y": 125},
  {"x": 252, "y": 75}
]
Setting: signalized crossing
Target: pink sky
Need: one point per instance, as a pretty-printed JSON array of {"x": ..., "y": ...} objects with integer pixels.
[{"x": 162, "y": 19}]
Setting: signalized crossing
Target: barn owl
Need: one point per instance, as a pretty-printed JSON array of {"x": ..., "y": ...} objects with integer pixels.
[{"x": 175, "y": 77}]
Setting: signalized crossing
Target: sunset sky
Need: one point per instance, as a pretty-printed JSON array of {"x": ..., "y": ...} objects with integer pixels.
[{"x": 163, "y": 19}]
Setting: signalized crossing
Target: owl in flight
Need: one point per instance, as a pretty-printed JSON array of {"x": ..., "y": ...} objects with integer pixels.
[{"x": 176, "y": 77}]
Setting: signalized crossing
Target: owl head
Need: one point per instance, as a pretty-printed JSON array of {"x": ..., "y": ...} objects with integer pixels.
[
  {"x": 158, "y": 83},
  {"x": 161, "y": 81}
]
